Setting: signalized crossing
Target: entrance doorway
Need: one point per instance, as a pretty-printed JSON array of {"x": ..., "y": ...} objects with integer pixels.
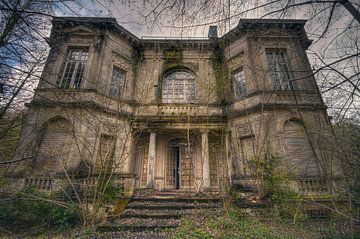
[
  {"x": 173, "y": 164},
  {"x": 179, "y": 164}
]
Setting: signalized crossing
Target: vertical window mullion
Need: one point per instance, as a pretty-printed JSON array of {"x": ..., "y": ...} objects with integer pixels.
[
  {"x": 117, "y": 83},
  {"x": 239, "y": 84},
  {"x": 178, "y": 87},
  {"x": 279, "y": 69},
  {"x": 72, "y": 82},
  {"x": 74, "y": 68}
]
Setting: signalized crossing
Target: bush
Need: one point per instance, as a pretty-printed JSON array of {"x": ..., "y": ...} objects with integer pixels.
[
  {"x": 40, "y": 209},
  {"x": 283, "y": 199}
]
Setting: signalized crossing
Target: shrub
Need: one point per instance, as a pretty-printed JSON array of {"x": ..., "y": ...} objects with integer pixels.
[{"x": 38, "y": 208}]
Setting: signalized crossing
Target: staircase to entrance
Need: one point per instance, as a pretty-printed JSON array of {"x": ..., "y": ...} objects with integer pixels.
[{"x": 154, "y": 214}]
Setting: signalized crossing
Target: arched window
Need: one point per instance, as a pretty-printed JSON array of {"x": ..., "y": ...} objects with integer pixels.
[
  {"x": 299, "y": 151},
  {"x": 178, "y": 87},
  {"x": 55, "y": 145}
]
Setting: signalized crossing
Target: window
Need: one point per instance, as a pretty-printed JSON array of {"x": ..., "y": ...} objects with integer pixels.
[
  {"x": 239, "y": 84},
  {"x": 279, "y": 69},
  {"x": 301, "y": 155},
  {"x": 117, "y": 83},
  {"x": 74, "y": 68},
  {"x": 55, "y": 145},
  {"x": 106, "y": 152},
  {"x": 178, "y": 87}
]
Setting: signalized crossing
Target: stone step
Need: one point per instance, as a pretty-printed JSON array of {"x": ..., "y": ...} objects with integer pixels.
[
  {"x": 171, "y": 206},
  {"x": 145, "y": 215},
  {"x": 251, "y": 205},
  {"x": 153, "y": 216},
  {"x": 157, "y": 212},
  {"x": 133, "y": 235},
  {"x": 134, "y": 228},
  {"x": 136, "y": 224},
  {"x": 145, "y": 221},
  {"x": 173, "y": 202},
  {"x": 178, "y": 193},
  {"x": 171, "y": 199}
]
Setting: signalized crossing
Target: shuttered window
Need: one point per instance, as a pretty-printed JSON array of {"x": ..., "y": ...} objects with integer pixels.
[
  {"x": 246, "y": 148},
  {"x": 247, "y": 151},
  {"x": 106, "y": 152},
  {"x": 299, "y": 151},
  {"x": 55, "y": 145}
]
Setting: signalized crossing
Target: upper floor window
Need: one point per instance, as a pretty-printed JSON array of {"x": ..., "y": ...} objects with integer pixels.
[
  {"x": 178, "y": 87},
  {"x": 117, "y": 83},
  {"x": 279, "y": 69},
  {"x": 239, "y": 82},
  {"x": 74, "y": 68}
]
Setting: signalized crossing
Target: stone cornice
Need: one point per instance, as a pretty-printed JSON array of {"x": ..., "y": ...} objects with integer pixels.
[
  {"x": 293, "y": 26},
  {"x": 271, "y": 107},
  {"x": 89, "y": 105}
]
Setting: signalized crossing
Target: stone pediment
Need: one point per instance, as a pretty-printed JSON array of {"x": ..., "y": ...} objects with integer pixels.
[{"x": 81, "y": 30}]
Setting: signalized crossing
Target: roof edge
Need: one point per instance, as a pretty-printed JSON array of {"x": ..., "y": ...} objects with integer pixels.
[{"x": 96, "y": 20}]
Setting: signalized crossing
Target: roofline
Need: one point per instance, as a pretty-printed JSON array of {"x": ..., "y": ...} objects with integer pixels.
[
  {"x": 110, "y": 20},
  {"x": 272, "y": 20},
  {"x": 243, "y": 26},
  {"x": 250, "y": 24}
]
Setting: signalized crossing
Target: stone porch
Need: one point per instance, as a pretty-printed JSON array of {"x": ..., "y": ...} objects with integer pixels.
[{"x": 180, "y": 159}]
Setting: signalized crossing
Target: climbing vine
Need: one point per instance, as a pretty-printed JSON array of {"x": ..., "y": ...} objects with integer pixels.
[
  {"x": 173, "y": 55},
  {"x": 220, "y": 71}
]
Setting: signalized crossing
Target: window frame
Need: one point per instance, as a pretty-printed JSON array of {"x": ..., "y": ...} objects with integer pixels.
[
  {"x": 71, "y": 80},
  {"x": 120, "y": 92},
  {"x": 179, "y": 91},
  {"x": 242, "y": 86},
  {"x": 281, "y": 61}
]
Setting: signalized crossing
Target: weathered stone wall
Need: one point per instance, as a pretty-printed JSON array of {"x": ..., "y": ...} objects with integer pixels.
[
  {"x": 251, "y": 127},
  {"x": 87, "y": 126}
]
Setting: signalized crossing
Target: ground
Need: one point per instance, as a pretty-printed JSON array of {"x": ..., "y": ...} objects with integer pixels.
[{"x": 226, "y": 222}]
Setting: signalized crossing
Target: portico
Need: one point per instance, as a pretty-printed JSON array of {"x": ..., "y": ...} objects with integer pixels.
[{"x": 179, "y": 159}]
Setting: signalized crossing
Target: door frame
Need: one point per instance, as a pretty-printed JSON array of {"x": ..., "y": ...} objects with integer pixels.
[{"x": 169, "y": 150}]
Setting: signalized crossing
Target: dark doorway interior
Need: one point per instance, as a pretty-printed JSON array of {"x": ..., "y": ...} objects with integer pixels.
[{"x": 177, "y": 167}]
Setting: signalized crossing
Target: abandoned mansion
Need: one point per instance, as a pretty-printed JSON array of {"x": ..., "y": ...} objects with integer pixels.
[{"x": 187, "y": 114}]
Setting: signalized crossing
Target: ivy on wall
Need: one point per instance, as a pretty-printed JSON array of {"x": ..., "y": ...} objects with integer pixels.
[
  {"x": 173, "y": 55},
  {"x": 220, "y": 71}
]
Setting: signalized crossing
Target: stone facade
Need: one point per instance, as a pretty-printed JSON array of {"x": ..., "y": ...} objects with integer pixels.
[{"x": 180, "y": 114}]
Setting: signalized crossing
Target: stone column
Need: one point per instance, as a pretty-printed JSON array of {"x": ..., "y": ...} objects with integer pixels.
[
  {"x": 228, "y": 156},
  {"x": 151, "y": 160},
  {"x": 129, "y": 159},
  {"x": 205, "y": 159}
]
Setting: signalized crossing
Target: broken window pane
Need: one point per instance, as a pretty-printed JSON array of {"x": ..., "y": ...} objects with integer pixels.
[
  {"x": 117, "y": 83},
  {"x": 240, "y": 89},
  {"x": 279, "y": 70}
]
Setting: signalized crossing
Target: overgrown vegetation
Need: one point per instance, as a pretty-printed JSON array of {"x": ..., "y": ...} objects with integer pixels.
[
  {"x": 174, "y": 54},
  {"x": 282, "y": 198},
  {"x": 220, "y": 71},
  {"x": 38, "y": 210},
  {"x": 231, "y": 223},
  {"x": 348, "y": 139},
  {"x": 10, "y": 130}
]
